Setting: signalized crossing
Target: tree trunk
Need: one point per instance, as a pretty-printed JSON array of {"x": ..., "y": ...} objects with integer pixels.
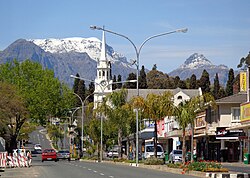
[
  {"x": 155, "y": 140},
  {"x": 183, "y": 146},
  {"x": 119, "y": 142}
]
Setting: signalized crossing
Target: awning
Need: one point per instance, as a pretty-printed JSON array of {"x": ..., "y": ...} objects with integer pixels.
[{"x": 245, "y": 126}]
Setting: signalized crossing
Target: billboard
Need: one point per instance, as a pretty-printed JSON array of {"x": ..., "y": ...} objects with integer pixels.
[
  {"x": 245, "y": 112},
  {"x": 243, "y": 81}
]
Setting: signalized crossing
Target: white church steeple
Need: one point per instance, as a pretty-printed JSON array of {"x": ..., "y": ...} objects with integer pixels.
[{"x": 103, "y": 82}]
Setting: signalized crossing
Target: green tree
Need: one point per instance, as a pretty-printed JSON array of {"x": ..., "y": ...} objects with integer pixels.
[
  {"x": 244, "y": 62},
  {"x": 119, "y": 79},
  {"x": 157, "y": 80},
  {"x": 118, "y": 113},
  {"x": 90, "y": 91},
  {"x": 193, "y": 82},
  {"x": 114, "y": 86},
  {"x": 230, "y": 81},
  {"x": 143, "y": 79},
  {"x": 13, "y": 114},
  {"x": 156, "y": 107},
  {"x": 131, "y": 85},
  {"x": 216, "y": 86},
  {"x": 43, "y": 94},
  {"x": 204, "y": 82},
  {"x": 76, "y": 84},
  {"x": 81, "y": 92}
]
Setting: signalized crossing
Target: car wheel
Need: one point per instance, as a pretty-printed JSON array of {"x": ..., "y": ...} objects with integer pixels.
[{"x": 42, "y": 160}]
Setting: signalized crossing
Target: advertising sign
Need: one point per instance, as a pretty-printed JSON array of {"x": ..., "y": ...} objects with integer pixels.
[
  {"x": 223, "y": 133},
  {"x": 245, "y": 112},
  {"x": 243, "y": 81}
]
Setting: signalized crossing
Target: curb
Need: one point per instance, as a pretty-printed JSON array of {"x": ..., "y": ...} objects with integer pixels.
[{"x": 227, "y": 175}]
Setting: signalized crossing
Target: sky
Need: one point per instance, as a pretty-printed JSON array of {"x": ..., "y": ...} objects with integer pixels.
[{"x": 218, "y": 29}]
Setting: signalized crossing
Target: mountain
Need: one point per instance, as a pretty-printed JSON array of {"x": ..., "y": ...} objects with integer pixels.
[
  {"x": 67, "y": 56},
  {"x": 195, "y": 64}
]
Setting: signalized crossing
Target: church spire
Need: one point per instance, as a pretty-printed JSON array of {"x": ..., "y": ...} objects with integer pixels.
[{"x": 103, "y": 50}]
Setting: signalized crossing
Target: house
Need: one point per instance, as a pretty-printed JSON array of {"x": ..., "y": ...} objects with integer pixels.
[{"x": 217, "y": 132}]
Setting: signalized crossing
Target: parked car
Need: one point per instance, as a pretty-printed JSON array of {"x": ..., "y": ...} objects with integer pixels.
[
  {"x": 149, "y": 152},
  {"x": 37, "y": 147},
  {"x": 49, "y": 155},
  {"x": 112, "y": 154},
  {"x": 63, "y": 154},
  {"x": 175, "y": 156}
]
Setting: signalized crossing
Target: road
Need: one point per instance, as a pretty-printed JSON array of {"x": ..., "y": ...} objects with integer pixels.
[
  {"x": 78, "y": 169},
  {"x": 83, "y": 169}
]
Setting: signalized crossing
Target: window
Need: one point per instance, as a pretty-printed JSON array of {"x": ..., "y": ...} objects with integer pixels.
[
  {"x": 179, "y": 97},
  {"x": 235, "y": 114}
]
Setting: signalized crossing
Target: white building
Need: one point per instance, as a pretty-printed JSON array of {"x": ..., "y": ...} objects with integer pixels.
[{"x": 103, "y": 82}]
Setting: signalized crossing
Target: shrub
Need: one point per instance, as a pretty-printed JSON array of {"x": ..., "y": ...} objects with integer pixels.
[{"x": 153, "y": 161}]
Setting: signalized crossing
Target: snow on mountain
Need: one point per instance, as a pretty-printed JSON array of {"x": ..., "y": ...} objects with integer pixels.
[
  {"x": 196, "y": 61},
  {"x": 91, "y": 46}
]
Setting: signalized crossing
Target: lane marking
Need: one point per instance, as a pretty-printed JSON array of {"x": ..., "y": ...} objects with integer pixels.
[
  {"x": 89, "y": 169},
  {"x": 101, "y": 174}
]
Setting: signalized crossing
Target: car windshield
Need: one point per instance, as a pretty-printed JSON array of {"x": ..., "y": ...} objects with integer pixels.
[
  {"x": 63, "y": 151},
  {"x": 151, "y": 149},
  {"x": 177, "y": 152},
  {"x": 49, "y": 151}
]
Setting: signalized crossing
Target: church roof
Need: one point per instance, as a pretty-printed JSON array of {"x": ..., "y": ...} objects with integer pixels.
[{"x": 144, "y": 92}]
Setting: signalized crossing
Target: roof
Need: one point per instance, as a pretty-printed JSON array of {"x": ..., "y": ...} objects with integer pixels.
[
  {"x": 144, "y": 92},
  {"x": 236, "y": 98}
]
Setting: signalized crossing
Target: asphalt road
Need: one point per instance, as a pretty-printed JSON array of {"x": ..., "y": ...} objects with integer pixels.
[
  {"x": 78, "y": 169},
  {"x": 82, "y": 169}
]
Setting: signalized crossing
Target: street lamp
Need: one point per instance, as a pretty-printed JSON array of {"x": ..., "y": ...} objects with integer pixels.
[
  {"x": 82, "y": 119},
  {"x": 137, "y": 52},
  {"x": 103, "y": 85}
]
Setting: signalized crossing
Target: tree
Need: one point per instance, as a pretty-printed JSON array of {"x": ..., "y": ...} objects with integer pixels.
[
  {"x": 43, "y": 95},
  {"x": 156, "y": 107},
  {"x": 204, "y": 82},
  {"x": 119, "y": 79},
  {"x": 131, "y": 85},
  {"x": 216, "y": 86},
  {"x": 81, "y": 92},
  {"x": 90, "y": 91},
  {"x": 230, "y": 81},
  {"x": 118, "y": 113},
  {"x": 13, "y": 114},
  {"x": 236, "y": 84},
  {"x": 185, "y": 114},
  {"x": 157, "y": 80},
  {"x": 244, "y": 62},
  {"x": 154, "y": 67},
  {"x": 193, "y": 82},
  {"x": 143, "y": 79},
  {"x": 76, "y": 83},
  {"x": 114, "y": 86}
]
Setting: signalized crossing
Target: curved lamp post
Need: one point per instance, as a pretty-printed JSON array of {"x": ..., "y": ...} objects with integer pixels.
[
  {"x": 103, "y": 85},
  {"x": 137, "y": 52}
]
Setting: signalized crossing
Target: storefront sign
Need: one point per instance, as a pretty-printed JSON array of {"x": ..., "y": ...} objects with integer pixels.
[
  {"x": 243, "y": 81},
  {"x": 222, "y": 133},
  {"x": 245, "y": 112}
]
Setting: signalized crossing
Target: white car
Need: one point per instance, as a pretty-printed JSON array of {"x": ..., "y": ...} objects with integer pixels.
[
  {"x": 112, "y": 154},
  {"x": 175, "y": 156},
  {"x": 37, "y": 147},
  {"x": 149, "y": 152}
]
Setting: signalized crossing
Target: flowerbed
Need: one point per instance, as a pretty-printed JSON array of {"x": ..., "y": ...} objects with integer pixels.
[{"x": 204, "y": 166}]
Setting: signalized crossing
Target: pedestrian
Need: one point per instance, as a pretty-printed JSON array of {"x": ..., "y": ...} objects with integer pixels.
[{"x": 29, "y": 156}]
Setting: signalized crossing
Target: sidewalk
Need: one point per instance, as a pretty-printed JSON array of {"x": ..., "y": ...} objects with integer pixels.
[{"x": 235, "y": 164}]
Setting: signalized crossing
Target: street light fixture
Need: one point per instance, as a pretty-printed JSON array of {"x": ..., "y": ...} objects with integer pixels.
[
  {"x": 103, "y": 85},
  {"x": 137, "y": 51}
]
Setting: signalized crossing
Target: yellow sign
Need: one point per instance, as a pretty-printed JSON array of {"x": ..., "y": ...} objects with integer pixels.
[
  {"x": 243, "y": 81},
  {"x": 245, "y": 112}
]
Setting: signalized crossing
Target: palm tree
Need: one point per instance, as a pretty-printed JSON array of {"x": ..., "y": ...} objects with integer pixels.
[
  {"x": 156, "y": 107},
  {"x": 186, "y": 112}
]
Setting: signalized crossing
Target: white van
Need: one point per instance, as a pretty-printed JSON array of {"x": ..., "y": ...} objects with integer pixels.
[{"x": 149, "y": 151}]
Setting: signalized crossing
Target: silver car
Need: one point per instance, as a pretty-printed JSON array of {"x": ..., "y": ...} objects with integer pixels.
[
  {"x": 63, "y": 154},
  {"x": 175, "y": 156}
]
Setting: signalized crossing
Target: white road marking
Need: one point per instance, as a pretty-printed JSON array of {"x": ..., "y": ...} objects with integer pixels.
[
  {"x": 94, "y": 171},
  {"x": 101, "y": 174},
  {"x": 111, "y": 176},
  {"x": 89, "y": 169}
]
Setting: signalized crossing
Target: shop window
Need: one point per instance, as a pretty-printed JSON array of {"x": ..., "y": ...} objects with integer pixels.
[{"x": 235, "y": 114}]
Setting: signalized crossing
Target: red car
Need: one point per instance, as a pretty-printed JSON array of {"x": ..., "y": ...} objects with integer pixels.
[{"x": 49, "y": 155}]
